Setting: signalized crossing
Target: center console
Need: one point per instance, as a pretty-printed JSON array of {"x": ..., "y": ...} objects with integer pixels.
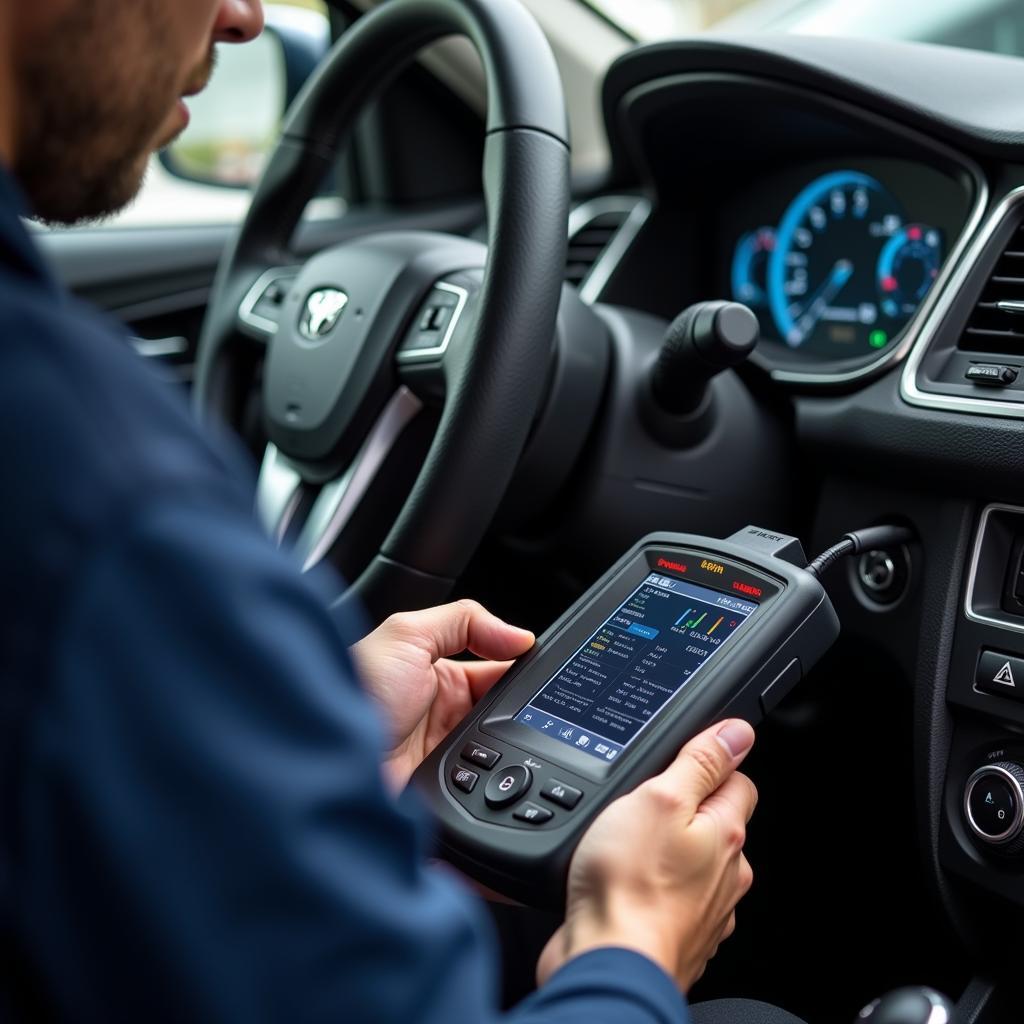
[{"x": 982, "y": 827}]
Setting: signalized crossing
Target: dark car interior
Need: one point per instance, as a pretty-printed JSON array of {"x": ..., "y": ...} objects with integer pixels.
[{"x": 493, "y": 434}]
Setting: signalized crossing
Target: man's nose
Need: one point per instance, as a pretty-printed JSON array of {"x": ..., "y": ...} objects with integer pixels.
[{"x": 238, "y": 21}]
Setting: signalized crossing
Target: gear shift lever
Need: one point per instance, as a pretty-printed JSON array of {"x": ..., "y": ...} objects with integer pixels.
[
  {"x": 699, "y": 344},
  {"x": 914, "y": 1005}
]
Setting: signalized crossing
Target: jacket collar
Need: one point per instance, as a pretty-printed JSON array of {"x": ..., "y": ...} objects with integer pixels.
[{"x": 18, "y": 252}]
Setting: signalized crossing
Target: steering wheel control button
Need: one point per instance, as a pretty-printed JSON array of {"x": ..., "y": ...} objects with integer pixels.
[
  {"x": 994, "y": 803},
  {"x": 993, "y": 374},
  {"x": 464, "y": 779},
  {"x": 435, "y": 323},
  {"x": 477, "y": 754},
  {"x": 561, "y": 793},
  {"x": 1000, "y": 674},
  {"x": 507, "y": 786},
  {"x": 533, "y": 814}
]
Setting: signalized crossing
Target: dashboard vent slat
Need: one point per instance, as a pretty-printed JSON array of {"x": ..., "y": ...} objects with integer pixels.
[
  {"x": 599, "y": 232},
  {"x": 587, "y": 244},
  {"x": 994, "y": 325}
]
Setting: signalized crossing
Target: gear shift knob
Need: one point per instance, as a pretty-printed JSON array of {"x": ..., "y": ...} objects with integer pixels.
[
  {"x": 914, "y": 1005},
  {"x": 700, "y": 343}
]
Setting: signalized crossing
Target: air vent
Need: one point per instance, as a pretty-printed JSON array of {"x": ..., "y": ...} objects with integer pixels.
[
  {"x": 997, "y": 321},
  {"x": 587, "y": 244},
  {"x": 600, "y": 231}
]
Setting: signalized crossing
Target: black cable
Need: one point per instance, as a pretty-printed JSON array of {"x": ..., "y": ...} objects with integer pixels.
[{"x": 868, "y": 539}]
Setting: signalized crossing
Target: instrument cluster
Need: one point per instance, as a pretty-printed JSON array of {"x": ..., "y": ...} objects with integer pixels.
[{"x": 836, "y": 261}]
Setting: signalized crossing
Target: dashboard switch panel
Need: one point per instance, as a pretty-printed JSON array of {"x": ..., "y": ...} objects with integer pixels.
[{"x": 1001, "y": 674}]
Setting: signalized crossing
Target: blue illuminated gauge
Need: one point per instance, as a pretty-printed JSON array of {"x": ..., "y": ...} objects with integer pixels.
[
  {"x": 907, "y": 268},
  {"x": 750, "y": 267},
  {"x": 822, "y": 289}
]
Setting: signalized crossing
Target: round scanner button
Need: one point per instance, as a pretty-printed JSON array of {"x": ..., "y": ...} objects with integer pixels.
[{"x": 508, "y": 785}]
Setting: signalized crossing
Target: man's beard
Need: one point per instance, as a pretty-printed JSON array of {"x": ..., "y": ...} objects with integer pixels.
[{"x": 93, "y": 104}]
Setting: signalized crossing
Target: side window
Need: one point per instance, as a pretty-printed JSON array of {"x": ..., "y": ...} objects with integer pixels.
[{"x": 205, "y": 176}]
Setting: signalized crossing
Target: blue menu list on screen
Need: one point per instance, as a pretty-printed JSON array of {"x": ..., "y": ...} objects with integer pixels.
[{"x": 647, "y": 651}]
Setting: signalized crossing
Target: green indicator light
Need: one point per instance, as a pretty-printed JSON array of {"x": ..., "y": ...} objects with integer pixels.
[{"x": 878, "y": 339}]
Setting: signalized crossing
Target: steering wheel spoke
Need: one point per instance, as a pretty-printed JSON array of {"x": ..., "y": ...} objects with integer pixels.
[
  {"x": 337, "y": 501},
  {"x": 278, "y": 492}
]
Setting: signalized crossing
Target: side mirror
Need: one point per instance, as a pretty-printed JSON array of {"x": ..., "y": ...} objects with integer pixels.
[{"x": 236, "y": 119}]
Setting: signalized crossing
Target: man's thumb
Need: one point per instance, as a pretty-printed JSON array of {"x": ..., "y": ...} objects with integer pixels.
[{"x": 709, "y": 759}]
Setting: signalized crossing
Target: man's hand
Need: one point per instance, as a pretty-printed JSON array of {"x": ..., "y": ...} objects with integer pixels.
[
  {"x": 405, "y": 668},
  {"x": 661, "y": 870}
]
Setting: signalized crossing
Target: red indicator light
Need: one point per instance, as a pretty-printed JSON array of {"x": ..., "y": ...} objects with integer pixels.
[
  {"x": 746, "y": 588},
  {"x": 890, "y": 284},
  {"x": 914, "y": 234},
  {"x": 664, "y": 563}
]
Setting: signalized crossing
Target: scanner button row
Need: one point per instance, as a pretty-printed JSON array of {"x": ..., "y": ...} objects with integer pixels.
[
  {"x": 561, "y": 793},
  {"x": 477, "y": 754},
  {"x": 533, "y": 814},
  {"x": 464, "y": 779}
]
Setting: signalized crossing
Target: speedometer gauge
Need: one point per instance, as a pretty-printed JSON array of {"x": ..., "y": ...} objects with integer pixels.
[{"x": 822, "y": 285}]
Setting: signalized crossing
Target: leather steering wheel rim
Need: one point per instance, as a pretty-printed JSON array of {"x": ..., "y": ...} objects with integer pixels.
[{"x": 489, "y": 409}]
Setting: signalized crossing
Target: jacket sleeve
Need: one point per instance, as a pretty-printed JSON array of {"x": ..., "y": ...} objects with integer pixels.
[{"x": 204, "y": 833}]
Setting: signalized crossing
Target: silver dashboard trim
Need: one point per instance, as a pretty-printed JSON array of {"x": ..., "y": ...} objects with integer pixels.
[
  {"x": 909, "y": 390},
  {"x": 255, "y": 293},
  {"x": 161, "y": 348},
  {"x": 972, "y": 572},
  {"x": 637, "y": 209},
  {"x": 417, "y": 355}
]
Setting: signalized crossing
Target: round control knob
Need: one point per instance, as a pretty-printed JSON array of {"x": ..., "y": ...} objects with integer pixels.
[
  {"x": 508, "y": 785},
  {"x": 994, "y": 805},
  {"x": 700, "y": 343},
  {"x": 909, "y": 1006}
]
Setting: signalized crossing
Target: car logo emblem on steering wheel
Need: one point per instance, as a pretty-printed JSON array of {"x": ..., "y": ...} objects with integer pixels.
[{"x": 322, "y": 311}]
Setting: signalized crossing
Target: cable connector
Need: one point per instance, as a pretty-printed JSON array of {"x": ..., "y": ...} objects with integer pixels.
[{"x": 870, "y": 538}]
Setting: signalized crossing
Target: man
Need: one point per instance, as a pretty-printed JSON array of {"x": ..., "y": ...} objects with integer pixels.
[{"x": 196, "y": 825}]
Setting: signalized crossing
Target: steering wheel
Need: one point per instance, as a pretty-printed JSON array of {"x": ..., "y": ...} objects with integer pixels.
[{"x": 358, "y": 342}]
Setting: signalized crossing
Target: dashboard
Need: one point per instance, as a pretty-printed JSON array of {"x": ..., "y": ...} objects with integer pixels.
[
  {"x": 866, "y": 201},
  {"x": 835, "y": 224}
]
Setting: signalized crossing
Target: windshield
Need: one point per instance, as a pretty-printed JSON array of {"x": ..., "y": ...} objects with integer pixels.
[{"x": 996, "y": 25}]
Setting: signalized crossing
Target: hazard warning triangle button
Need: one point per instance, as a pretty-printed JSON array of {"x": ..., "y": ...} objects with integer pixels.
[
  {"x": 1001, "y": 673},
  {"x": 1004, "y": 675}
]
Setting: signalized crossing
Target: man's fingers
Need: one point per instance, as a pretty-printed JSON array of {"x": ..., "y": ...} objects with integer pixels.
[
  {"x": 705, "y": 763},
  {"x": 453, "y": 628},
  {"x": 481, "y": 675}
]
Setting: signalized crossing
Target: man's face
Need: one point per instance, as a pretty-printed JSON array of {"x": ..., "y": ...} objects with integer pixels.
[{"x": 99, "y": 87}]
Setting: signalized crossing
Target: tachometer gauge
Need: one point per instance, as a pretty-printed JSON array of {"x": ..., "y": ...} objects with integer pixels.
[
  {"x": 750, "y": 267},
  {"x": 907, "y": 267},
  {"x": 822, "y": 288}
]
